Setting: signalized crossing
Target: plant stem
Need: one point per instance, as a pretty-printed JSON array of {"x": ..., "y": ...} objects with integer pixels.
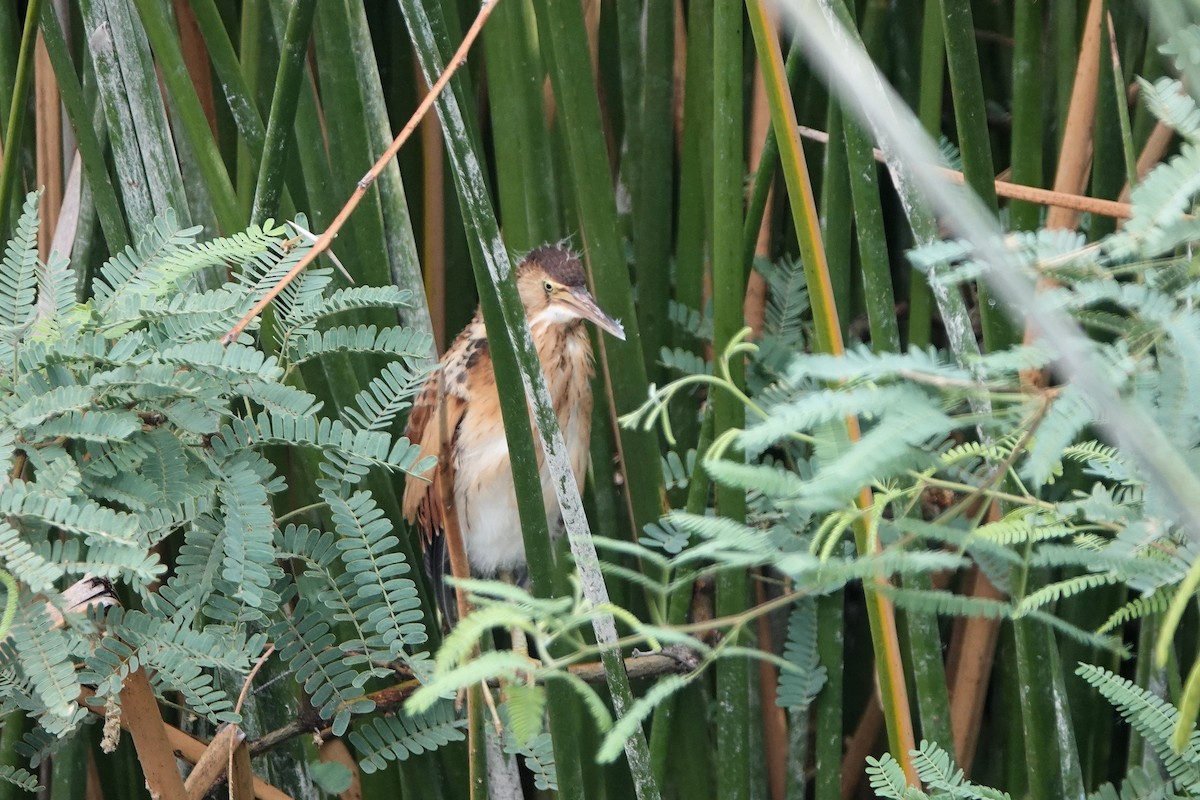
[
  {"x": 293, "y": 49},
  {"x": 881, "y": 613},
  {"x": 733, "y": 675},
  {"x": 17, "y": 112}
]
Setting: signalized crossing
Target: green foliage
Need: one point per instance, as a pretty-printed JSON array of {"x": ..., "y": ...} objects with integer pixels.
[
  {"x": 19, "y": 778},
  {"x": 395, "y": 738},
  {"x": 126, "y": 425},
  {"x": 1155, "y": 719},
  {"x": 937, "y": 772},
  {"x": 799, "y": 686}
]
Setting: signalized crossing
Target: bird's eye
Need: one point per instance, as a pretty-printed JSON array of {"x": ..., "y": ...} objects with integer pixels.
[{"x": 548, "y": 286}]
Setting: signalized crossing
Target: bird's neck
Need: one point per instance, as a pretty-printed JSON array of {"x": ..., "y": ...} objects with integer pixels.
[{"x": 564, "y": 350}]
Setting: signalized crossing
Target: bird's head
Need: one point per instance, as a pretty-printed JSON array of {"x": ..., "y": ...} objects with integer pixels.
[{"x": 554, "y": 290}]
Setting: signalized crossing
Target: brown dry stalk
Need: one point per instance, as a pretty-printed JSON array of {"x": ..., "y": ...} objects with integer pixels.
[
  {"x": 214, "y": 763},
  {"x": 1019, "y": 191},
  {"x": 140, "y": 715},
  {"x": 969, "y": 665},
  {"x": 48, "y": 117},
  {"x": 433, "y": 184},
  {"x": 360, "y": 190},
  {"x": 755, "y": 305},
  {"x": 241, "y": 784},
  {"x": 861, "y": 745},
  {"x": 195, "y": 58},
  {"x": 335, "y": 751},
  {"x": 191, "y": 749},
  {"x": 774, "y": 721},
  {"x": 678, "y": 77},
  {"x": 1075, "y": 158},
  {"x": 182, "y": 745}
]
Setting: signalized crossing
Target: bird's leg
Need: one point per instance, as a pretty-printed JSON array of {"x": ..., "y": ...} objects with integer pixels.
[
  {"x": 520, "y": 645},
  {"x": 491, "y": 704}
]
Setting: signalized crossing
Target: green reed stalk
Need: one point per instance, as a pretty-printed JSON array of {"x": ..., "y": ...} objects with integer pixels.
[
  {"x": 280, "y": 122},
  {"x": 1028, "y": 122},
  {"x": 881, "y": 614},
  {"x": 652, "y": 192},
  {"x": 16, "y": 114},
  {"x": 188, "y": 115},
  {"x": 729, "y": 282},
  {"x": 525, "y": 176}
]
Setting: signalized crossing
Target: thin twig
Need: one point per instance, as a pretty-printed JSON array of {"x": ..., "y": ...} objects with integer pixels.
[
  {"x": 392, "y": 699},
  {"x": 237, "y": 709},
  {"x": 1019, "y": 191},
  {"x": 364, "y": 183}
]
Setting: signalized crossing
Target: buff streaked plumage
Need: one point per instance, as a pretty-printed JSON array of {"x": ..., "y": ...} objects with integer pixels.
[{"x": 552, "y": 285}]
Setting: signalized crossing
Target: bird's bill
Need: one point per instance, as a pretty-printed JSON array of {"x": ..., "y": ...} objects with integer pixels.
[{"x": 586, "y": 307}]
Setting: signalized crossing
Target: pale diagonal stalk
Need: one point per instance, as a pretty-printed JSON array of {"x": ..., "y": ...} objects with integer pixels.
[
  {"x": 17, "y": 113},
  {"x": 952, "y": 309},
  {"x": 933, "y": 63},
  {"x": 922, "y": 641},
  {"x": 734, "y": 681},
  {"x": 881, "y": 614},
  {"x": 293, "y": 49}
]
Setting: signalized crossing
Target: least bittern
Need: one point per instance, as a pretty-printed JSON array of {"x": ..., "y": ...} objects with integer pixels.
[{"x": 553, "y": 289}]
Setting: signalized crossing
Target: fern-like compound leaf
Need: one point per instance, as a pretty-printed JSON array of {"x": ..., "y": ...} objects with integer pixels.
[
  {"x": 395, "y": 738},
  {"x": 1154, "y": 718},
  {"x": 799, "y": 686},
  {"x": 18, "y": 273},
  {"x": 22, "y": 779},
  {"x": 306, "y": 643},
  {"x": 385, "y": 600},
  {"x": 43, "y": 657}
]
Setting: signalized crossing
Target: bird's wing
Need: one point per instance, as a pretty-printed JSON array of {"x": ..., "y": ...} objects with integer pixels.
[{"x": 443, "y": 390}]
